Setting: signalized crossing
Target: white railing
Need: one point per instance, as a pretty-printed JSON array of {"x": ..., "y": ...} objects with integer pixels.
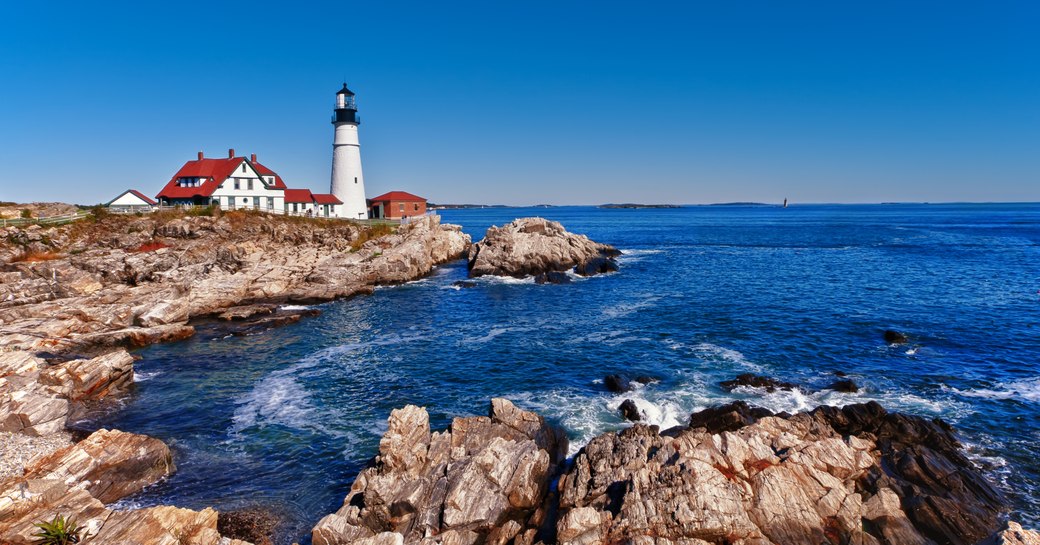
[{"x": 50, "y": 220}]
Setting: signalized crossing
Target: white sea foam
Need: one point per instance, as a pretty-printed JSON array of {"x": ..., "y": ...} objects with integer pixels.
[
  {"x": 280, "y": 399},
  {"x": 716, "y": 352},
  {"x": 295, "y": 307},
  {"x": 141, "y": 376},
  {"x": 632, "y": 256},
  {"x": 1022, "y": 390},
  {"x": 625, "y": 309}
]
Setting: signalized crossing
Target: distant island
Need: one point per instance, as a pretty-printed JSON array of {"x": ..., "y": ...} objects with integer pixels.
[
  {"x": 742, "y": 204},
  {"x": 432, "y": 206},
  {"x": 634, "y": 205}
]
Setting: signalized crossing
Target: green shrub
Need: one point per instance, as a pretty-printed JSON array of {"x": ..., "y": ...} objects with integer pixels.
[
  {"x": 59, "y": 531},
  {"x": 26, "y": 213}
]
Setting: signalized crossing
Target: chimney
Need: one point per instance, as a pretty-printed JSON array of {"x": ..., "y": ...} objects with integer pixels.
[
  {"x": 231, "y": 153},
  {"x": 200, "y": 156},
  {"x": 252, "y": 158}
]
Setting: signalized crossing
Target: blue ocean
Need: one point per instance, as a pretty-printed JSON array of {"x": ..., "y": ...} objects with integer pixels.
[{"x": 286, "y": 418}]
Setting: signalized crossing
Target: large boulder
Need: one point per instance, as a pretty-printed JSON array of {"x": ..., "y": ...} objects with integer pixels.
[
  {"x": 485, "y": 479},
  {"x": 534, "y": 246},
  {"x": 852, "y": 475}
]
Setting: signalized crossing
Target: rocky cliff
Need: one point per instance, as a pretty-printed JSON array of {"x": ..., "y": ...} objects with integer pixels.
[
  {"x": 129, "y": 281},
  {"x": 72, "y": 298},
  {"x": 534, "y": 246},
  {"x": 734, "y": 476}
]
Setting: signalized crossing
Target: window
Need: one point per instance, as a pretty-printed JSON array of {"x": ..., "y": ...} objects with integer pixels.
[
  {"x": 250, "y": 185},
  {"x": 416, "y": 207},
  {"x": 401, "y": 207},
  {"x": 270, "y": 203},
  {"x": 243, "y": 166},
  {"x": 237, "y": 184},
  {"x": 355, "y": 179}
]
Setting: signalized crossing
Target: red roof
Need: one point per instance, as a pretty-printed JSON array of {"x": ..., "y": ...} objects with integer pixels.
[
  {"x": 299, "y": 195},
  {"x": 211, "y": 172},
  {"x": 141, "y": 196},
  {"x": 398, "y": 196},
  {"x": 264, "y": 171},
  {"x": 326, "y": 198}
]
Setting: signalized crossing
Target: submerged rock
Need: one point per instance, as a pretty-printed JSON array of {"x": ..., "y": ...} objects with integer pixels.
[
  {"x": 847, "y": 386},
  {"x": 464, "y": 284},
  {"x": 752, "y": 380},
  {"x": 617, "y": 383},
  {"x": 552, "y": 277},
  {"x": 483, "y": 480},
  {"x": 533, "y": 246},
  {"x": 894, "y": 337}
]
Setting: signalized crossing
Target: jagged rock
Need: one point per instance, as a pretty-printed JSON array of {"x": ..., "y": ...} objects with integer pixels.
[
  {"x": 851, "y": 475},
  {"x": 464, "y": 284},
  {"x": 18, "y": 363},
  {"x": 246, "y": 312},
  {"x": 596, "y": 265},
  {"x": 629, "y": 411},
  {"x": 552, "y": 277},
  {"x": 757, "y": 381},
  {"x": 532, "y": 246},
  {"x": 483, "y": 476},
  {"x": 91, "y": 379},
  {"x": 76, "y": 481},
  {"x": 1014, "y": 534},
  {"x": 28, "y": 407},
  {"x": 895, "y": 337},
  {"x": 728, "y": 417},
  {"x": 111, "y": 464}
]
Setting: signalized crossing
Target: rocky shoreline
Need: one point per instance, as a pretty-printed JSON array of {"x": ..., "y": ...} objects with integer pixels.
[
  {"x": 74, "y": 298},
  {"x": 733, "y": 476}
]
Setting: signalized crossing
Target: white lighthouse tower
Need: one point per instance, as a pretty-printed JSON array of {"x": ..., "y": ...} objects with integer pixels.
[{"x": 348, "y": 184}]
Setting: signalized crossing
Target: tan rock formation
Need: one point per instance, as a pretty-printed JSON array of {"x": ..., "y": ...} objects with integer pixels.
[
  {"x": 484, "y": 479},
  {"x": 78, "y": 480},
  {"x": 532, "y": 246}
]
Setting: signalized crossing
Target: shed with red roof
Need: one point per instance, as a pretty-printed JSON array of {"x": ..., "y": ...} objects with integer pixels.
[
  {"x": 131, "y": 200},
  {"x": 396, "y": 205}
]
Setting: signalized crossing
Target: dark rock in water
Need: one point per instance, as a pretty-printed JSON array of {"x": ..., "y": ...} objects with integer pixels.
[
  {"x": 895, "y": 337},
  {"x": 629, "y": 411},
  {"x": 617, "y": 384},
  {"x": 596, "y": 265},
  {"x": 840, "y": 374},
  {"x": 552, "y": 277},
  {"x": 464, "y": 284},
  {"x": 253, "y": 525},
  {"x": 610, "y": 251},
  {"x": 757, "y": 381},
  {"x": 646, "y": 379},
  {"x": 847, "y": 386},
  {"x": 728, "y": 417}
]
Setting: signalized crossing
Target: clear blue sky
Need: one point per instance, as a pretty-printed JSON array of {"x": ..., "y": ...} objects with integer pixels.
[{"x": 533, "y": 102}]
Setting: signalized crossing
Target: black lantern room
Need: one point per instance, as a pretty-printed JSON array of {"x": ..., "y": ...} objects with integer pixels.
[{"x": 346, "y": 107}]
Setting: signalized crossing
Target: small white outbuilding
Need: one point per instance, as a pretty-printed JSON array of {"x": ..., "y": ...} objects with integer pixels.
[{"x": 131, "y": 201}]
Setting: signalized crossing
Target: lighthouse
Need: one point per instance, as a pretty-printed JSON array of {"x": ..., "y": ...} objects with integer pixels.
[{"x": 348, "y": 184}]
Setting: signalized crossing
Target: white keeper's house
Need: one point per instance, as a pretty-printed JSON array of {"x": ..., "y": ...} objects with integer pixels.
[{"x": 242, "y": 183}]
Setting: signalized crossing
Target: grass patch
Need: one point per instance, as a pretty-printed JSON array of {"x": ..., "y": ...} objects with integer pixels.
[{"x": 372, "y": 232}]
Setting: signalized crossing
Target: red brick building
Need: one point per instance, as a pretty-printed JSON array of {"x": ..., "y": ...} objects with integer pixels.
[{"x": 396, "y": 205}]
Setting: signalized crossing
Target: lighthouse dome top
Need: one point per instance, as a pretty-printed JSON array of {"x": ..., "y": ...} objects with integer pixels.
[{"x": 345, "y": 91}]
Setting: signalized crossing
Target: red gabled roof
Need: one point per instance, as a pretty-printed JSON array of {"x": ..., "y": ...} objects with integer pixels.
[
  {"x": 299, "y": 195},
  {"x": 326, "y": 198},
  {"x": 398, "y": 196},
  {"x": 264, "y": 171},
  {"x": 212, "y": 172},
  {"x": 141, "y": 196}
]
